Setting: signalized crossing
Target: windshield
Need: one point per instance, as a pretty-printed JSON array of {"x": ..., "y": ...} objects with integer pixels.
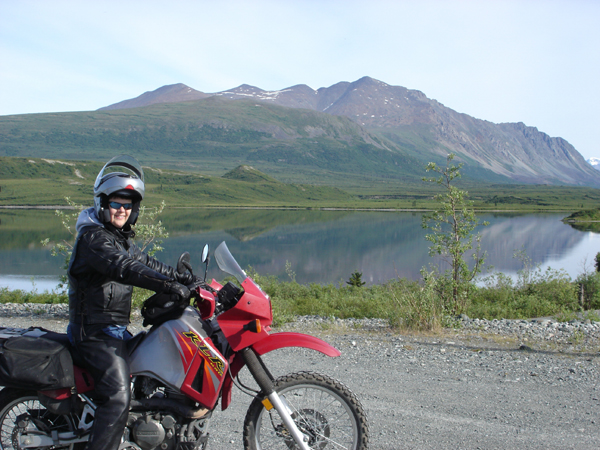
[{"x": 228, "y": 264}]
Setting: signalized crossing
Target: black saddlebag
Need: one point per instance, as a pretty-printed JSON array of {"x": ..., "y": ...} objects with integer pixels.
[{"x": 33, "y": 362}]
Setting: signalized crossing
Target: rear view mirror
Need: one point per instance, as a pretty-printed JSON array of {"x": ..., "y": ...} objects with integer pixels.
[{"x": 205, "y": 259}]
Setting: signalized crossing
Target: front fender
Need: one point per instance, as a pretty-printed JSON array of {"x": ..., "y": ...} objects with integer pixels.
[
  {"x": 268, "y": 344},
  {"x": 288, "y": 339}
]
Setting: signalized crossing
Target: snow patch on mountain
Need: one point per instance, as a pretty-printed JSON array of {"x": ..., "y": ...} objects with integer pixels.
[{"x": 594, "y": 162}]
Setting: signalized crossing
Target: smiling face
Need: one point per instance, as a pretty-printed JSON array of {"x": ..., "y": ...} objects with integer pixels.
[{"x": 119, "y": 217}]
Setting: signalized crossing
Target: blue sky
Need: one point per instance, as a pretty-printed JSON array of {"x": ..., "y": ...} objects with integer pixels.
[{"x": 531, "y": 61}]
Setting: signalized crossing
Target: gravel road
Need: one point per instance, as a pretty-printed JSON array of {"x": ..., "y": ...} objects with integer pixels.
[{"x": 475, "y": 388}]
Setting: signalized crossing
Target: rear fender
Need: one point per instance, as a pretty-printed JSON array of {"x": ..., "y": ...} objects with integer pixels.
[{"x": 273, "y": 342}]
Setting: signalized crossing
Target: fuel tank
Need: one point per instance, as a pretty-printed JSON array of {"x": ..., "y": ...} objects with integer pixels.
[{"x": 181, "y": 355}]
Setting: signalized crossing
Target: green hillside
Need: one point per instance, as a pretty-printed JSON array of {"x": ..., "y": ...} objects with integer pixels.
[
  {"x": 46, "y": 182},
  {"x": 36, "y": 181},
  {"x": 249, "y": 174},
  {"x": 191, "y": 133},
  {"x": 215, "y": 135}
]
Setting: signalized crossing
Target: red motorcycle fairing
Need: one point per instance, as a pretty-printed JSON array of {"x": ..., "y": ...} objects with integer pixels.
[
  {"x": 206, "y": 307},
  {"x": 273, "y": 342},
  {"x": 254, "y": 304},
  {"x": 205, "y": 368}
]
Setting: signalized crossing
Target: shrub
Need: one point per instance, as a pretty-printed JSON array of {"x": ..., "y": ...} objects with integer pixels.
[
  {"x": 19, "y": 296},
  {"x": 588, "y": 290},
  {"x": 535, "y": 293},
  {"x": 415, "y": 306}
]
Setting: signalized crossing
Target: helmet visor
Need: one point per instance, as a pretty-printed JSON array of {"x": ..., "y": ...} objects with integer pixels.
[{"x": 124, "y": 164}]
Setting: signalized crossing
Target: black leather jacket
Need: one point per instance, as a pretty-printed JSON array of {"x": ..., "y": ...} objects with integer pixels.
[{"x": 104, "y": 267}]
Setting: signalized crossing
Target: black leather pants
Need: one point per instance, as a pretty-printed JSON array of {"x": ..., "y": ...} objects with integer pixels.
[{"x": 108, "y": 362}]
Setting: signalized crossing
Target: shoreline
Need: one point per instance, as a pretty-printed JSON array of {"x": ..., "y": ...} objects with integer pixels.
[
  {"x": 307, "y": 208},
  {"x": 35, "y": 207}
]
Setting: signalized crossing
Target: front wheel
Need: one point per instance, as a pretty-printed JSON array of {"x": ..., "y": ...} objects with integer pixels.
[{"x": 325, "y": 410}]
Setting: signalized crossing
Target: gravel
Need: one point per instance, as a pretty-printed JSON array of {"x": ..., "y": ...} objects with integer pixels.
[{"x": 484, "y": 385}]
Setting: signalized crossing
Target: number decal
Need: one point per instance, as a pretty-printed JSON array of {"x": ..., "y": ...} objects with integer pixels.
[{"x": 215, "y": 362}]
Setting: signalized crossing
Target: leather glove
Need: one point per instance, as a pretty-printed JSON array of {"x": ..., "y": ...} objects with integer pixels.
[
  {"x": 190, "y": 280},
  {"x": 185, "y": 278},
  {"x": 173, "y": 287}
]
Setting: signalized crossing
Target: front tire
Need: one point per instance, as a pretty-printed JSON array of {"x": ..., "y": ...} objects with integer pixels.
[
  {"x": 323, "y": 408},
  {"x": 15, "y": 403}
]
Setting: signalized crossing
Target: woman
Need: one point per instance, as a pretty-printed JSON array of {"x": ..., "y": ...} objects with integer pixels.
[{"x": 104, "y": 267}]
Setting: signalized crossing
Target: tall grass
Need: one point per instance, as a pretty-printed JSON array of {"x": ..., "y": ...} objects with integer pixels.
[
  {"x": 19, "y": 296},
  {"x": 408, "y": 304}
]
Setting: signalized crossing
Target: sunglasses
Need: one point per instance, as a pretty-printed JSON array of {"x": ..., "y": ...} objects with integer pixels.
[{"x": 117, "y": 205}]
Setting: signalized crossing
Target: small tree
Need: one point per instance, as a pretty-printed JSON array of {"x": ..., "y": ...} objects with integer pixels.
[
  {"x": 451, "y": 227},
  {"x": 65, "y": 247},
  {"x": 356, "y": 279},
  {"x": 149, "y": 230}
]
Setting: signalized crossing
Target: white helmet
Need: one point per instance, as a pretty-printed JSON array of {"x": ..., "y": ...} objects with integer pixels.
[{"x": 128, "y": 184}]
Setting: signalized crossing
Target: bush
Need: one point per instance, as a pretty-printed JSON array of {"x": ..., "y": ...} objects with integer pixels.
[
  {"x": 535, "y": 293},
  {"x": 415, "y": 306},
  {"x": 406, "y": 304},
  {"x": 588, "y": 290},
  {"x": 18, "y": 296}
]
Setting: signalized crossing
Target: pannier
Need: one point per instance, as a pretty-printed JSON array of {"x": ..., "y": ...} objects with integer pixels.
[{"x": 28, "y": 360}]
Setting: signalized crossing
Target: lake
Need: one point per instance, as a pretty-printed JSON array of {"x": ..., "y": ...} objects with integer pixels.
[{"x": 319, "y": 246}]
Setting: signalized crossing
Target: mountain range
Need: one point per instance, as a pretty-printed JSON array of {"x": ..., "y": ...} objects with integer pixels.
[
  {"x": 409, "y": 122},
  {"x": 362, "y": 133}
]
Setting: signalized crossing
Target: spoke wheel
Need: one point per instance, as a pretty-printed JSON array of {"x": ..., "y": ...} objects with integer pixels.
[
  {"x": 17, "y": 408},
  {"x": 324, "y": 410}
]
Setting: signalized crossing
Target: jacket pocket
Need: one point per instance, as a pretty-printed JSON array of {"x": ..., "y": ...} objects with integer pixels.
[{"x": 109, "y": 294}]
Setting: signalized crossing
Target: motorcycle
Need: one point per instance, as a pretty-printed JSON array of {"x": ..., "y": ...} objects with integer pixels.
[{"x": 186, "y": 363}]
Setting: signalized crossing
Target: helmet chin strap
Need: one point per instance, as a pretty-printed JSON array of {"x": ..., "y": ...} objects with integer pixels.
[{"x": 104, "y": 213}]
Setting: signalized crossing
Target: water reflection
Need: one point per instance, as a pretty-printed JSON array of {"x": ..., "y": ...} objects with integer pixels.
[{"x": 321, "y": 246}]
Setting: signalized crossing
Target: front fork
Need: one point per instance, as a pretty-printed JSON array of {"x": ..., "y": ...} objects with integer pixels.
[{"x": 265, "y": 382}]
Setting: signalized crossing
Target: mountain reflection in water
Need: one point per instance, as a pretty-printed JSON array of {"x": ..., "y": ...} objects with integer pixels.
[{"x": 321, "y": 246}]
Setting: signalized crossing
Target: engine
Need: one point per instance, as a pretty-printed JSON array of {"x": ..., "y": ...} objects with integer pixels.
[
  {"x": 160, "y": 430},
  {"x": 153, "y": 430},
  {"x": 157, "y": 419}
]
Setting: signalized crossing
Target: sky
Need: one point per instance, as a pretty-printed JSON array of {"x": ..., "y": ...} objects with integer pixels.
[{"x": 531, "y": 61}]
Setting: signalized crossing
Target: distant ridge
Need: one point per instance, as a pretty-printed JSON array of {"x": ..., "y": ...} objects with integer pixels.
[
  {"x": 173, "y": 93},
  {"x": 406, "y": 121}
]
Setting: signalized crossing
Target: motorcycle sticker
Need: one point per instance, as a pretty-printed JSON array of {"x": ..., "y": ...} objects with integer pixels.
[{"x": 213, "y": 360}]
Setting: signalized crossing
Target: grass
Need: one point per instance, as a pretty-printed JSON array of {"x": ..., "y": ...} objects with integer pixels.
[
  {"x": 19, "y": 296},
  {"x": 38, "y": 182},
  {"x": 585, "y": 215},
  {"x": 407, "y": 304}
]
